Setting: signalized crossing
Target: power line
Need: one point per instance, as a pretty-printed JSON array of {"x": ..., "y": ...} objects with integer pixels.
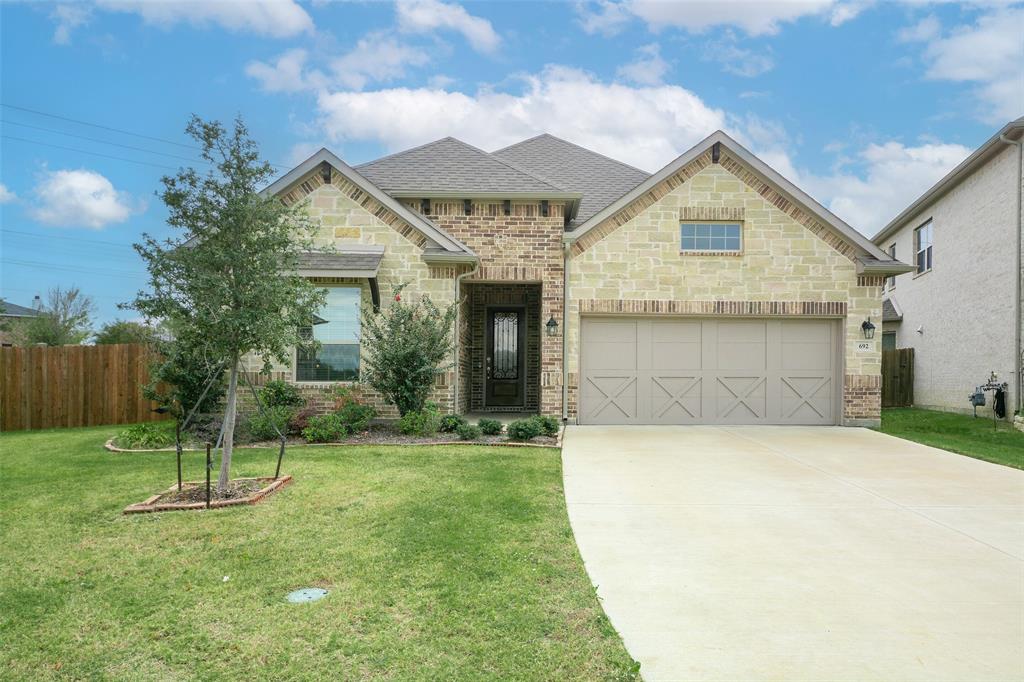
[
  {"x": 97, "y": 125},
  {"x": 112, "y": 129},
  {"x": 63, "y": 237},
  {"x": 96, "y": 139},
  {"x": 84, "y": 151},
  {"x": 88, "y": 271}
]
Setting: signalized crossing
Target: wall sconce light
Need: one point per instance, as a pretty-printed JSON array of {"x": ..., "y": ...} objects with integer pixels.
[
  {"x": 868, "y": 329},
  {"x": 552, "y": 327}
]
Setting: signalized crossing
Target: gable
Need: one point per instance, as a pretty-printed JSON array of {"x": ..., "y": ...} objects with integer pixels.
[{"x": 721, "y": 150}]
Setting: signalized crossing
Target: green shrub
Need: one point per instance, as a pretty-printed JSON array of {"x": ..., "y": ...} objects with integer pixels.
[
  {"x": 489, "y": 427},
  {"x": 468, "y": 431},
  {"x": 300, "y": 420},
  {"x": 265, "y": 425},
  {"x": 423, "y": 422},
  {"x": 278, "y": 393},
  {"x": 326, "y": 428},
  {"x": 450, "y": 423},
  {"x": 356, "y": 416},
  {"x": 549, "y": 426},
  {"x": 524, "y": 429},
  {"x": 148, "y": 435}
]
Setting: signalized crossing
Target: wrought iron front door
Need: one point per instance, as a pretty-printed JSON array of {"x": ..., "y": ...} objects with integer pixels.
[{"x": 506, "y": 351}]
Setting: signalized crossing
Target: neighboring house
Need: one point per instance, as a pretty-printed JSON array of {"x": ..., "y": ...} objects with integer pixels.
[
  {"x": 711, "y": 292},
  {"x": 11, "y": 314},
  {"x": 960, "y": 308}
]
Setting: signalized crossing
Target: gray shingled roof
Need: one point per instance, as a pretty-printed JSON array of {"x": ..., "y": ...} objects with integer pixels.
[
  {"x": 601, "y": 180},
  {"x": 889, "y": 312},
  {"x": 349, "y": 261},
  {"x": 15, "y": 310},
  {"x": 450, "y": 165}
]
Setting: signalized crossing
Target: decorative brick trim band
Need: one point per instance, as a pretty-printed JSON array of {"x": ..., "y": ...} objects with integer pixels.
[
  {"x": 456, "y": 207},
  {"x": 711, "y": 213},
  {"x": 641, "y": 203},
  {"x": 314, "y": 180},
  {"x": 784, "y": 204},
  {"x": 870, "y": 280},
  {"x": 744, "y": 308},
  {"x": 506, "y": 273}
]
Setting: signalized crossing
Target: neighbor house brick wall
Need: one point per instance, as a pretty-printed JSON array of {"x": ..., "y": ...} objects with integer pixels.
[
  {"x": 958, "y": 317},
  {"x": 789, "y": 266}
]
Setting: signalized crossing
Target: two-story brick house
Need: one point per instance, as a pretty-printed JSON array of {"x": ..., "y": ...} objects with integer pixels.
[
  {"x": 960, "y": 307},
  {"x": 713, "y": 291}
]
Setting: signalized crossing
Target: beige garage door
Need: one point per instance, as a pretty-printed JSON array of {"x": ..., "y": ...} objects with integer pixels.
[{"x": 708, "y": 371}]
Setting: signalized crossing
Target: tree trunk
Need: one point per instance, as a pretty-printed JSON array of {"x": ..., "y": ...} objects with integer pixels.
[{"x": 229, "y": 428}]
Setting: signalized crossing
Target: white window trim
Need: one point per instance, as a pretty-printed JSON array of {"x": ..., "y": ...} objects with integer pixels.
[
  {"x": 918, "y": 250},
  {"x": 711, "y": 252}
]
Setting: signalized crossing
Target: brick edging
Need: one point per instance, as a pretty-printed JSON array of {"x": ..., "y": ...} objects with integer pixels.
[{"x": 148, "y": 505}]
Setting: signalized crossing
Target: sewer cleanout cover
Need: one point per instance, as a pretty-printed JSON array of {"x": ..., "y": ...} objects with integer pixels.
[{"x": 306, "y": 594}]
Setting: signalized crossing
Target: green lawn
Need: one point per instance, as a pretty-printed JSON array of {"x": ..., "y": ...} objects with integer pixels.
[
  {"x": 957, "y": 432},
  {"x": 443, "y": 563}
]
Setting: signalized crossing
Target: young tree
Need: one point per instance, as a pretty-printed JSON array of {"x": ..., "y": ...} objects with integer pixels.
[
  {"x": 227, "y": 286},
  {"x": 124, "y": 331},
  {"x": 406, "y": 345},
  {"x": 66, "y": 318}
]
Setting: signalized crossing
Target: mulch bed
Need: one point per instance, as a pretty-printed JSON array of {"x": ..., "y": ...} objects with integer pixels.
[
  {"x": 386, "y": 434},
  {"x": 193, "y": 495}
]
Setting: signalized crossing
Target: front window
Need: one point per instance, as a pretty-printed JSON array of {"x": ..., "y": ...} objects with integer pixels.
[
  {"x": 923, "y": 247},
  {"x": 888, "y": 340},
  {"x": 716, "y": 237},
  {"x": 890, "y": 281},
  {"x": 336, "y": 327}
]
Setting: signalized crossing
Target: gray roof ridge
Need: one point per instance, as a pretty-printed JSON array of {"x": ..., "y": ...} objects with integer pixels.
[
  {"x": 573, "y": 144},
  {"x": 406, "y": 151}
]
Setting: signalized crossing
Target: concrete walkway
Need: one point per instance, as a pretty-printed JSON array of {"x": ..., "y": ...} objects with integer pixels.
[{"x": 800, "y": 553}]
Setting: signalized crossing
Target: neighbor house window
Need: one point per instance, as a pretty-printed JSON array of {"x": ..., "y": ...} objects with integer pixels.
[
  {"x": 890, "y": 281},
  {"x": 721, "y": 237},
  {"x": 336, "y": 327},
  {"x": 923, "y": 247},
  {"x": 888, "y": 340}
]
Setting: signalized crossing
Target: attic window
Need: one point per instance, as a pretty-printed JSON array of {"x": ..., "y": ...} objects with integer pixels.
[{"x": 711, "y": 237}]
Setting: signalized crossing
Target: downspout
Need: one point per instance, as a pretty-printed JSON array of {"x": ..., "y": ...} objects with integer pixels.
[
  {"x": 458, "y": 329},
  {"x": 566, "y": 248},
  {"x": 1017, "y": 380}
]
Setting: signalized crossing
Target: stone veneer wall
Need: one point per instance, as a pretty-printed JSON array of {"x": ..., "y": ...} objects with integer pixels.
[
  {"x": 524, "y": 247},
  {"x": 789, "y": 265}
]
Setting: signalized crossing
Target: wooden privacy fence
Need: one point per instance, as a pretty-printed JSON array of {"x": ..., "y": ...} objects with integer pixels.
[
  {"x": 898, "y": 377},
  {"x": 47, "y": 387}
]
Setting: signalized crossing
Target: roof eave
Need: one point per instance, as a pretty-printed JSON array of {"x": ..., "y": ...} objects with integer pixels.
[
  {"x": 312, "y": 163},
  {"x": 885, "y": 267},
  {"x": 759, "y": 167},
  {"x": 978, "y": 157}
]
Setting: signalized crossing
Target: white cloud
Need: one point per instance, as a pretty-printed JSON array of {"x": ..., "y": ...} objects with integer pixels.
[
  {"x": 80, "y": 198},
  {"x": 754, "y": 17},
  {"x": 647, "y": 126},
  {"x": 605, "y": 17},
  {"x": 647, "y": 69},
  {"x": 68, "y": 17},
  {"x": 887, "y": 178},
  {"x": 426, "y": 16},
  {"x": 988, "y": 53},
  {"x": 287, "y": 74},
  {"x": 376, "y": 57},
  {"x": 275, "y": 18},
  {"x": 6, "y": 195},
  {"x": 926, "y": 29},
  {"x": 737, "y": 60}
]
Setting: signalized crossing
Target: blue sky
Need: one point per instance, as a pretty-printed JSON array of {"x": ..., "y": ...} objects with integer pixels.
[{"x": 864, "y": 104}]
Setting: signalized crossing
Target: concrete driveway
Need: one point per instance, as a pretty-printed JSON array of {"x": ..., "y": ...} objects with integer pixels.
[{"x": 800, "y": 553}]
